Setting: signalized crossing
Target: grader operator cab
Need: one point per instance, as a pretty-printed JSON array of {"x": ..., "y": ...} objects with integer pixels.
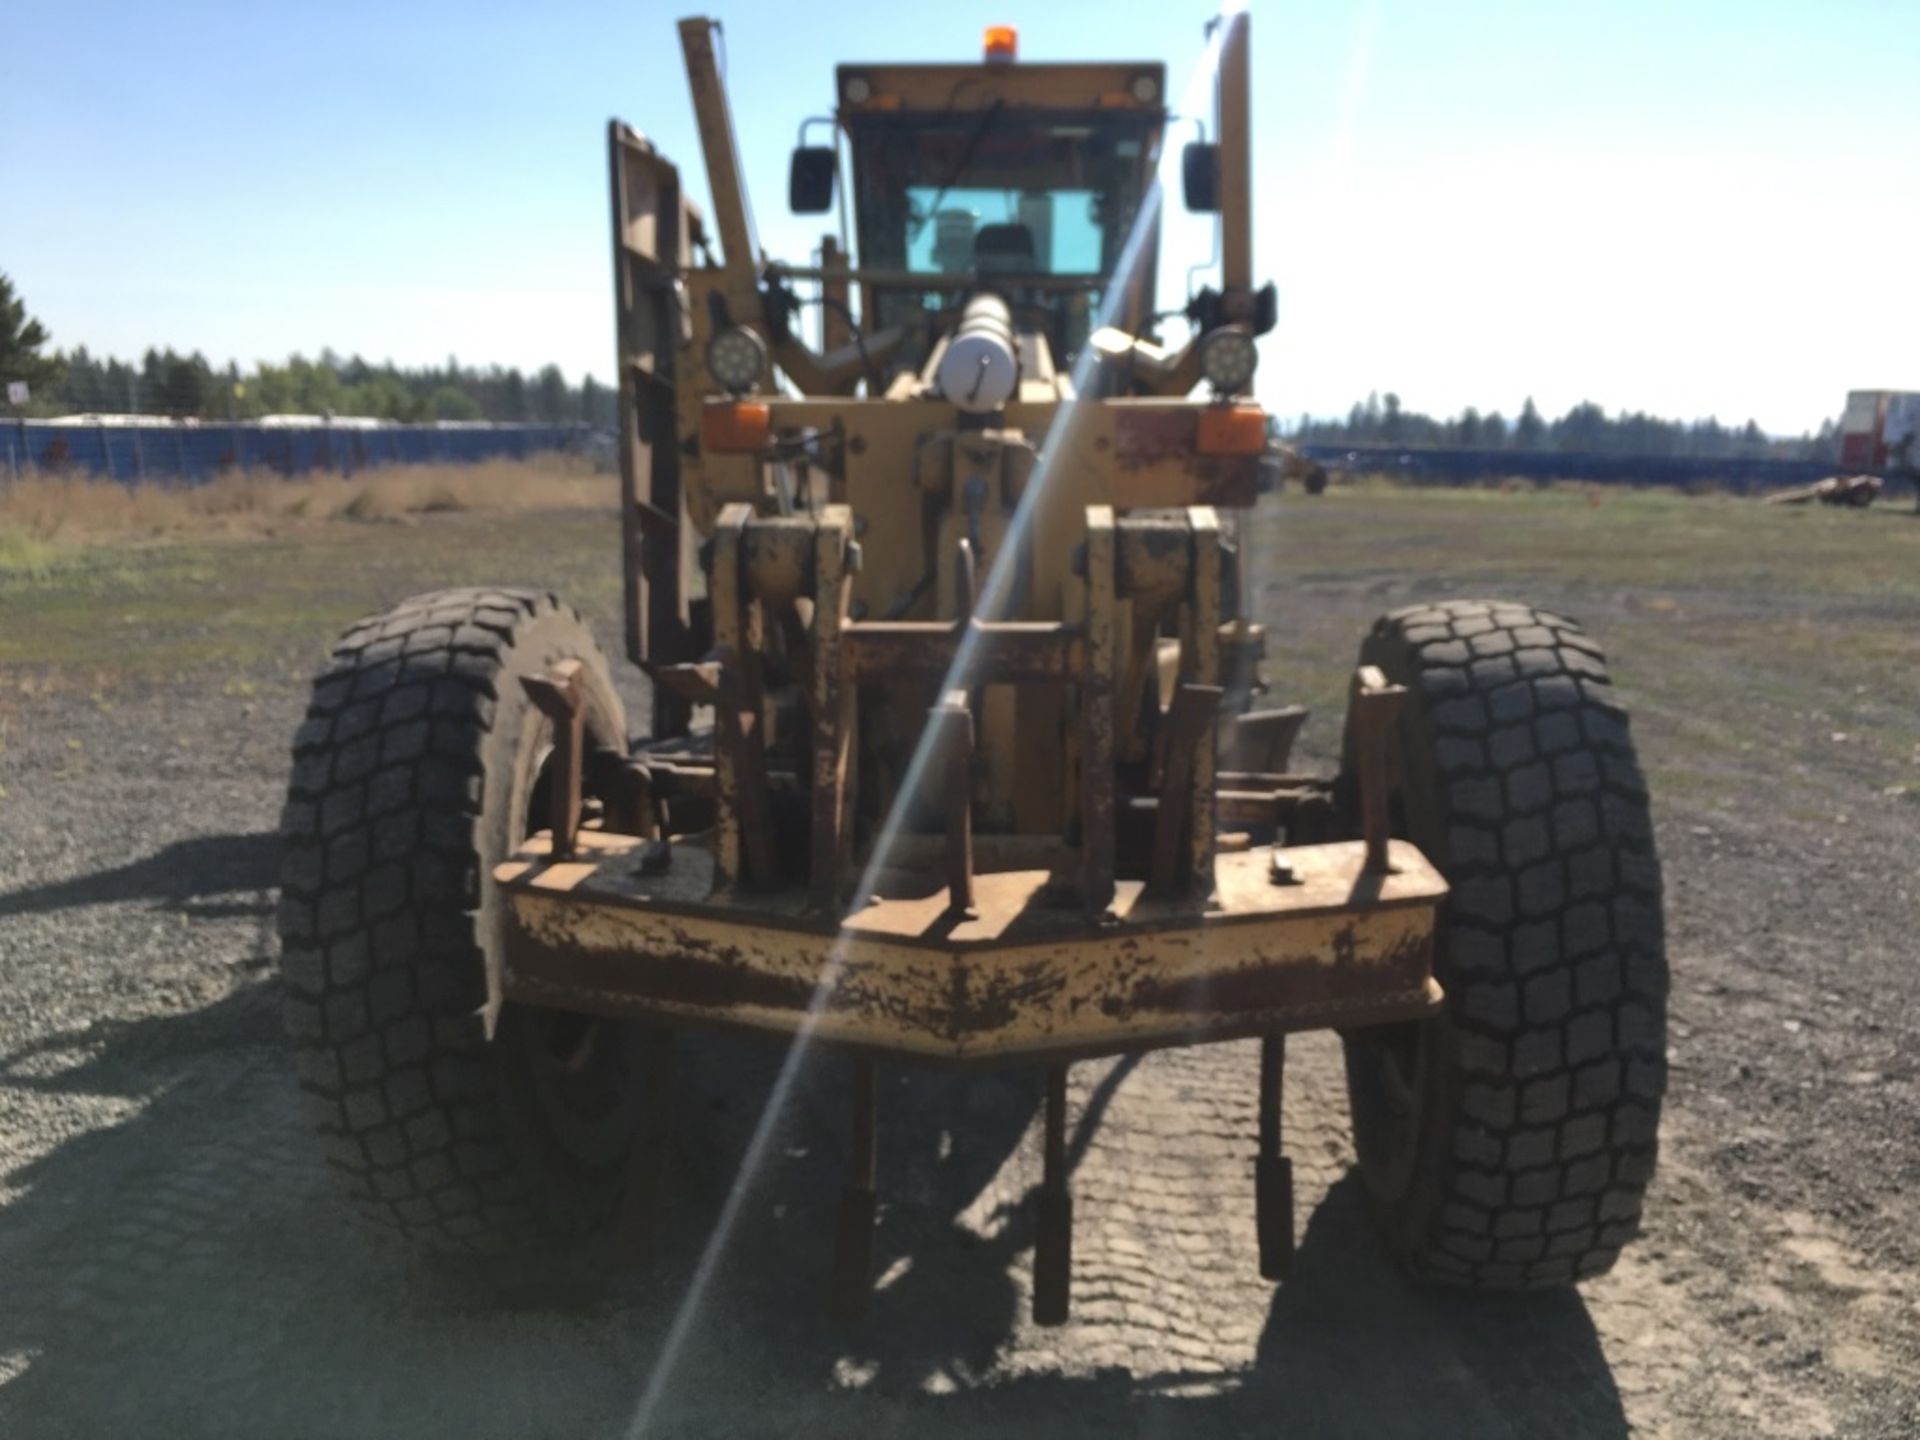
[{"x": 954, "y": 754}]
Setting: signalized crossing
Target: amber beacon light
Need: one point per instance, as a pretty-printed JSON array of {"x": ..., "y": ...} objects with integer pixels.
[{"x": 1002, "y": 42}]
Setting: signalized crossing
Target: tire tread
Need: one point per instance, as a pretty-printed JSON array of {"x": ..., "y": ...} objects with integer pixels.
[
  {"x": 381, "y": 964},
  {"x": 1556, "y": 972}
]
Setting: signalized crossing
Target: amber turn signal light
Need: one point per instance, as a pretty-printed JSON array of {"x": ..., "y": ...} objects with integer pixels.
[
  {"x": 734, "y": 426},
  {"x": 1232, "y": 430}
]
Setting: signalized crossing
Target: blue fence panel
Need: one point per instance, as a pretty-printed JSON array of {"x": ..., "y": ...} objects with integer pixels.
[
  {"x": 1465, "y": 467},
  {"x": 196, "y": 453}
]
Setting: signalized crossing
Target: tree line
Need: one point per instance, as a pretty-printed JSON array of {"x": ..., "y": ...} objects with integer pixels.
[
  {"x": 1585, "y": 429},
  {"x": 166, "y": 382}
]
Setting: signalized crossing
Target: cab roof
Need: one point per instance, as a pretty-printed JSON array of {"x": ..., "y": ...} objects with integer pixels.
[{"x": 886, "y": 89}]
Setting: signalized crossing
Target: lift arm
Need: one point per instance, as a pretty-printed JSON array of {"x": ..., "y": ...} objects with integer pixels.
[{"x": 739, "y": 255}]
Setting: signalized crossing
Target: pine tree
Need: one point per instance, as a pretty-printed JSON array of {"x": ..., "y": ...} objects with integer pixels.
[
  {"x": 550, "y": 396},
  {"x": 21, "y": 337},
  {"x": 1529, "y": 429}
]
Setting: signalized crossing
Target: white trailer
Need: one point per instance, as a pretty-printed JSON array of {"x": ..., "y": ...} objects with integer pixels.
[{"x": 1878, "y": 431}]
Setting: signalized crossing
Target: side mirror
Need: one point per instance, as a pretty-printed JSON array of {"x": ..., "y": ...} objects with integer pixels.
[
  {"x": 1200, "y": 176},
  {"x": 1266, "y": 308},
  {"x": 810, "y": 180}
]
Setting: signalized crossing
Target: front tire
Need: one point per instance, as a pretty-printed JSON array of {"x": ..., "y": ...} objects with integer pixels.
[
  {"x": 1507, "y": 1143},
  {"x": 414, "y": 774}
]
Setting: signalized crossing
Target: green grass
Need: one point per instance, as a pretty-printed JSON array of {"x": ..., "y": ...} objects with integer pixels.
[
  {"x": 26, "y": 557},
  {"x": 1744, "y": 636},
  {"x": 271, "y": 607},
  {"x": 1646, "y": 539}
]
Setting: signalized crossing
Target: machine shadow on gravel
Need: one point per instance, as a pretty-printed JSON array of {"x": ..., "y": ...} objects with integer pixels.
[
  {"x": 1435, "y": 1362},
  {"x": 203, "y": 877},
  {"x": 1348, "y": 1346},
  {"x": 190, "y": 1271}
]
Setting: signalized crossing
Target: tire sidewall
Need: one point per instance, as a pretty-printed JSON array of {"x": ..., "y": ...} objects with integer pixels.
[
  {"x": 1404, "y": 1188},
  {"x": 569, "y": 1174}
]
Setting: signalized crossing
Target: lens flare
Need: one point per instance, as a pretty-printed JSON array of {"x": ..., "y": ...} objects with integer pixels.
[{"x": 995, "y": 590}]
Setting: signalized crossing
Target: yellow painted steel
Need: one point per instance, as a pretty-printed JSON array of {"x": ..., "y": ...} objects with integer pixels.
[{"x": 1018, "y": 979}]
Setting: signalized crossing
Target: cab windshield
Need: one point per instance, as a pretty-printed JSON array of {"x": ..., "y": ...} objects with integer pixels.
[
  {"x": 1000, "y": 191},
  {"x": 1062, "y": 235},
  {"x": 1001, "y": 195}
]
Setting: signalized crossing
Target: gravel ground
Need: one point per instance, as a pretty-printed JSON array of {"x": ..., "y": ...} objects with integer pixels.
[{"x": 176, "y": 1260}]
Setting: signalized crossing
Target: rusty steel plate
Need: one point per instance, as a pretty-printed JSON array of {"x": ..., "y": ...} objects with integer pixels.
[{"x": 1024, "y": 975}]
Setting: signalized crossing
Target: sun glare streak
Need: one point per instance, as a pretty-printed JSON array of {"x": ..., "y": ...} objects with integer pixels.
[
  {"x": 995, "y": 590},
  {"x": 1338, "y": 161}
]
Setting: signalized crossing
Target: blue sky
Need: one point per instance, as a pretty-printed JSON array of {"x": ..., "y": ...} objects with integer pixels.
[{"x": 1692, "y": 207}]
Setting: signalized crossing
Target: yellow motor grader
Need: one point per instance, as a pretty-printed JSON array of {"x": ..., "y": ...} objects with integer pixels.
[{"x": 956, "y": 755}]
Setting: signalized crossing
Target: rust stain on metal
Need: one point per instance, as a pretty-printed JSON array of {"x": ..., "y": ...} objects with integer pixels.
[
  {"x": 1149, "y": 435},
  {"x": 707, "y": 982},
  {"x": 1037, "y": 980},
  {"x": 1285, "y": 983},
  {"x": 997, "y": 1001},
  {"x": 1229, "y": 481}
]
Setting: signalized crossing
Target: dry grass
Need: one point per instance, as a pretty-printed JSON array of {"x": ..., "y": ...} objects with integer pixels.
[{"x": 38, "y": 510}]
